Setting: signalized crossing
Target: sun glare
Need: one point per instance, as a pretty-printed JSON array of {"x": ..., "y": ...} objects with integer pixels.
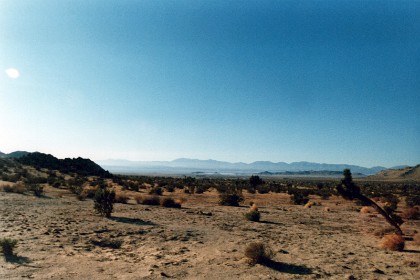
[{"x": 12, "y": 73}]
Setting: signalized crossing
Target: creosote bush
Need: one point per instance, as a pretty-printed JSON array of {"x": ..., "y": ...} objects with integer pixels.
[
  {"x": 169, "y": 202},
  {"x": 104, "y": 202},
  {"x": 258, "y": 252},
  {"x": 7, "y": 245},
  {"x": 230, "y": 198},
  {"x": 393, "y": 242}
]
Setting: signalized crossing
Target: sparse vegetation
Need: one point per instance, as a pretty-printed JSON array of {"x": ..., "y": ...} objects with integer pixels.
[
  {"x": 7, "y": 246},
  {"x": 253, "y": 215},
  {"x": 104, "y": 202},
  {"x": 258, "y": 252}
]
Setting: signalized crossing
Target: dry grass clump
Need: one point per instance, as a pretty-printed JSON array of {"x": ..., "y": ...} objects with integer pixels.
[
  {"x": 365, "y": 210},
  {"x": 393, "y": 242},
  {"x": 258, "y": 252}
]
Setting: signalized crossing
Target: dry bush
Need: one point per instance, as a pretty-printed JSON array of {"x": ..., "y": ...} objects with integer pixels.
[
  {"x": 258, "y": 252},
  {"x": 169, "y": 202},
  {"x": 121, "y": 198},
  {"x": 365, "y": 210},
  {"x": 412, "y": 213},
  {"x": 393, "y": 242}
]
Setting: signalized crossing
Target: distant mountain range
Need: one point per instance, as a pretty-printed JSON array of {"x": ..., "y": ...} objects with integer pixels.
[{"x": 185, "y": 165}]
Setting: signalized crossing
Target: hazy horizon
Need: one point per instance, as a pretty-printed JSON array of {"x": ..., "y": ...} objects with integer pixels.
[{"x": 237, "y": 81}]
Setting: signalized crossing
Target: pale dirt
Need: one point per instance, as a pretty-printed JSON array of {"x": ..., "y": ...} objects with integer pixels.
[{"x": 55, "y": 236}]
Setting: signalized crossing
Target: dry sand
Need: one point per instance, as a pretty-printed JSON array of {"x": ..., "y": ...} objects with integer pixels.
[{"x": 57, "y": 236}]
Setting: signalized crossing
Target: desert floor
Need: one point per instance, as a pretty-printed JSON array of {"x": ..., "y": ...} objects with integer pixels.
[{"x": 57, "y": 235}]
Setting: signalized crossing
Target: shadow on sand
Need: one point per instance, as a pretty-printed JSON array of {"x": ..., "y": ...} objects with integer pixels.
[
  {"x": 287, "y": 268},
  {"x": 270, "y": 223},
  {"x": 133, "y": 221},
  {"x": 16, "y": 259}
]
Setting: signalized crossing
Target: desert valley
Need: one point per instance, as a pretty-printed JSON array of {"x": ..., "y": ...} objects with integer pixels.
[{"x": 186, "y": 227}]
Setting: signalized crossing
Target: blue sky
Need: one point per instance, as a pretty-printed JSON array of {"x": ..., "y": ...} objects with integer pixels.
[{"x": 321, "y": 81}]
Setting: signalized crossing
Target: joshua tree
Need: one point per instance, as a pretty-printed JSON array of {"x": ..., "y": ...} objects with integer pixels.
[{"x": 349, "y": 190}]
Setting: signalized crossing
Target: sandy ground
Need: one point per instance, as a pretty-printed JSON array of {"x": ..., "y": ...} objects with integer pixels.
[{"x": 57, "y": 236}]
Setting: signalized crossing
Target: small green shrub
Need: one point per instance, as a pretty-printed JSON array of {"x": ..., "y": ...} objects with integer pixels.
[
  {"x": 258, "y": 252},
  {"x": 7, "y": 245},
  {"x": 104, "y": 202}
]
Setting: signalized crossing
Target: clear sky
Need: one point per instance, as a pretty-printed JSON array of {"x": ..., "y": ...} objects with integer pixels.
[{"x": 322, "y": 81}]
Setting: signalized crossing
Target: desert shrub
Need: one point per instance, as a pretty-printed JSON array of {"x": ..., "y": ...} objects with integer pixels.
[
  {"x": 37, "y": 189},
  {"x": 104, "y": 202},
  {"x": 7, "y": 245},
  {"x": 253, "y": 214},
  {"x": 170, "y": 203},
  {"x": 262, "y": 189},
  {"x": 107, "y": 242},
  {"x": 258, "y": 253},
  {"x": 152, "y": 200},
  {"x": 230, "y": 199},
  {"x": 200, "y": 189},
  {"x": 390, "y": 203},
  {"x": 169, "y": 188},
  {"x": 156, "y": 191},
  {"x": 412, "y": 200},
  {"x": 121, "y": 198},
  {"x": 299, "y": 197},
  {"x": 393, "y": 242},
  {"x": 412, "y": 213}
]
